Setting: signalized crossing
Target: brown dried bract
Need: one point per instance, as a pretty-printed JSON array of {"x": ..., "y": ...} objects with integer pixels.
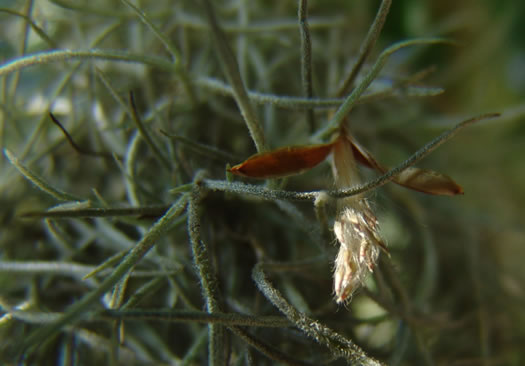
[
  {"x": 283, "y": 162},
  {"x": 422, "y": 180}
]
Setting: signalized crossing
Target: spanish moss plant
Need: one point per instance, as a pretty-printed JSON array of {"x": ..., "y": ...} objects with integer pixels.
[{"x": 212, "y": 182}]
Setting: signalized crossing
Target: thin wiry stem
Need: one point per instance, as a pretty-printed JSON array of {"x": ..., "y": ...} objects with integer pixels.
[
  {"x": 108, "y": 263},
  {"x": 476, "y": 273},
  {"x": 114, "y": 93},
  {"x": 151, "y": 211},
  {"x": 94, "y": 9},
  {"x": 367, "y": 46},
  {"x": 269, "y": 351},
  {"x": 170, "y": 47},
  {"x": 145, "y": 290},
  {"x": 242, "y": 44},
  {"x": 146, "y": 135},
  {"x": 32, "y": 138},
  {"x": 322, "y": 217},
  {"x": 306, "y": 58},
  {"x": 350, "y": 101},
  {"x": 257, "y": 191},
  {"x": 76, "y": 146},
  {"x": 209, "y": 151},
  {"x": 39, "y": 181},
  {"x": 117, "y": 296},
  {"x": 46, "y": 57},
  {"x": 132, "y": 153},
  {"x": 231, "y": 70},
  {"x": 79, "y": 309},
  {"x": 299, "y": 219},
  {"x": 429, "y": 267},
  {"x": 192, "y": 23},
  {"x": 31, "y": 317},
  {"x": 337, "y": 344},
  {"x": 58, "y": 90},
  {"x": 185, "y": 316},
  {"x": 27, "y": 27},
  {"x": 299, "y": 103},
  {"x": 73, "y": 269},
  {"x": 196, "y": 349},
  {"x": 41, "y": 33},
  {"x": 208, "y": 280}
]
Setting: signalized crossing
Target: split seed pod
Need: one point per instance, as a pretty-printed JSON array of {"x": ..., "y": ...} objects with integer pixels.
[
  {"x": 422, "y": 180},
  {"x": 356, "y": 227}
]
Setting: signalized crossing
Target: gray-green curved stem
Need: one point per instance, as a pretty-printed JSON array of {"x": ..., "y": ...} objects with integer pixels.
[
  {"x": 367, "y": 45},
  {"x": 81, "y": 308},
  {"x": 339, "y": 345},
  {"x": 42, "y": 58},
  {"x": 231, "y": 70},
  {"x": 207, "y": 277},
  {"x": 351, "y": 100}
]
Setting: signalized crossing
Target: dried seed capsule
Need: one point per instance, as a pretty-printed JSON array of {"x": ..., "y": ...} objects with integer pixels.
[{"x": 356, "y": 227}]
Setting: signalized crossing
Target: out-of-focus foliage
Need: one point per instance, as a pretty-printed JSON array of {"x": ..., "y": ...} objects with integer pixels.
[{"x": 452, "y": 292}]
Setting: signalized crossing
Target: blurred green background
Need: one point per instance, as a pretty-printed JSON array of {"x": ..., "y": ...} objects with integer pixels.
[{"x": 455, "y": 281}]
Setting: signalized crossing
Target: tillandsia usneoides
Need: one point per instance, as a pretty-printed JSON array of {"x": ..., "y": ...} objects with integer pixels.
[{"x": 356, "y": 227}]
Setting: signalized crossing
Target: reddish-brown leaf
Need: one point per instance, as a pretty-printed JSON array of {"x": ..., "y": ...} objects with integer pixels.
[{"x": 283, "y": 162}]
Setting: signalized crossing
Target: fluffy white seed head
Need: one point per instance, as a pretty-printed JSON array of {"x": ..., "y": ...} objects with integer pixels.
[
  {"x": 356, "y": 227},
  {"x": 357, "y": 232}
]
